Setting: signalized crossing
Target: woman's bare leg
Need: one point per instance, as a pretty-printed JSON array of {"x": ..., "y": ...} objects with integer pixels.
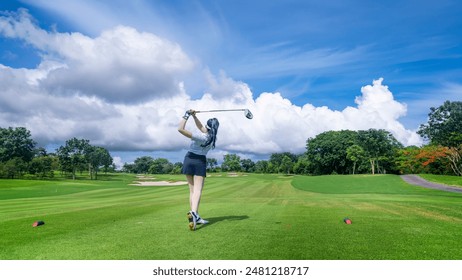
[
  {"x": 195, "y": 196},
  {"x": 196, "y": 183},
  {"x": 190, "y": 179}
]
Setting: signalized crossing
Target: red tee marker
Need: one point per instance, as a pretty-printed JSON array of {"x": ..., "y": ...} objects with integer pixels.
[{"x": 38, "y": 223}]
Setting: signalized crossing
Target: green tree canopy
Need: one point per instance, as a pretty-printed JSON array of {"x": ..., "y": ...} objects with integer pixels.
[
  {"x": 231, "y": 162},
  {"x": 72, "y": 155},
  {"x": 261, "y": 166},
  {"x": 379, "y": 145},
  {"x": 327, "y": 151},
  {"x": 282, "y": 161},
  {"x": 142, "y": 164},
  {"x": 16, "y": 143},
  {"x": 341, "y": 151},
  {"x": 161, "y": 166},
  {"x": 355, "y": 153},
  {"x": 97, "y": 157},
  {"x": 212, "y": 163},
  {"x": 247, "y": 165},
  {"x": 444, "y": 126},
  {"x": 287, "y": 165}
]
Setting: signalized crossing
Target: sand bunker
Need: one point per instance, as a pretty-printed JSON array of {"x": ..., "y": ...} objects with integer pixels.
[{"x": 158, "y": 183}]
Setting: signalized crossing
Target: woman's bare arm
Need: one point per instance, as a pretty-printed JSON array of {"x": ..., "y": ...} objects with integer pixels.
[
  {"x": 199, "y": 125},
  {"x": 182, "y": 130}
]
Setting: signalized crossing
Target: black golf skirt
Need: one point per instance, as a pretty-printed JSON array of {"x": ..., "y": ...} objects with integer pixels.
[{"x": 194, "y": 165}]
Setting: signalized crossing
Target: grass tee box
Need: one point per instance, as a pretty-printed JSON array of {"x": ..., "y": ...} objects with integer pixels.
[{"x": 251, "y": 217}]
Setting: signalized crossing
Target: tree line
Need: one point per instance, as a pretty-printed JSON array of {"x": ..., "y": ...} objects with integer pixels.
[
  {"x": 332, "y": 152},
  {"x": 370, "y": 151},
  {"x": 21, "y": 158}
]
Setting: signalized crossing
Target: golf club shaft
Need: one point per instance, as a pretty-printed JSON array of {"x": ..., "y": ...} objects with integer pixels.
[{"x": 226, "y": 110}]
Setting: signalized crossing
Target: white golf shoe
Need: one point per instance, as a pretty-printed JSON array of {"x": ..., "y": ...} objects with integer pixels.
[{"x": 202, "y": 221}]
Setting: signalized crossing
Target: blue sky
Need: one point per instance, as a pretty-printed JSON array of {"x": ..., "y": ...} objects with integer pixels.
[{"x": 293, "y": 62}]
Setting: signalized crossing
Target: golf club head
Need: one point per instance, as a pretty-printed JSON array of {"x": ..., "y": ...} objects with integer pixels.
[{"x": 248, "y": 114}]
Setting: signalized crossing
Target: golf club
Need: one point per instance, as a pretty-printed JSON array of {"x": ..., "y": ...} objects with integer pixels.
[{"x": 247, "y": 112}]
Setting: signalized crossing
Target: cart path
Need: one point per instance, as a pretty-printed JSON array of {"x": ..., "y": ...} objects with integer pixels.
[{"x": 418, "y": 181}]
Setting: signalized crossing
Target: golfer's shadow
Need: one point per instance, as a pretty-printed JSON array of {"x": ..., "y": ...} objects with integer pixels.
[{"x": 216, "y": 220}]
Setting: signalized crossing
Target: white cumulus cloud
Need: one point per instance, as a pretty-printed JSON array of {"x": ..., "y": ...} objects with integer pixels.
[
  {"x": 279, "y": 125},
  {"x": 121, "y": 65},
  {"x": 123, "y": 90}
]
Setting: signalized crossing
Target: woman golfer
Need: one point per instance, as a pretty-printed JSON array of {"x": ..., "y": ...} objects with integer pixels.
[{"x": 194, "y": 165}]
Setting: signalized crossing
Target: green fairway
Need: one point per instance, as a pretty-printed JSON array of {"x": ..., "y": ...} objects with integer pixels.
[{"x": 251, "y": 217}]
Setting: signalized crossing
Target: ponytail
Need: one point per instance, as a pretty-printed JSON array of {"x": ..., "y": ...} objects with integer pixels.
[{"x": 212, "y": 126}]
